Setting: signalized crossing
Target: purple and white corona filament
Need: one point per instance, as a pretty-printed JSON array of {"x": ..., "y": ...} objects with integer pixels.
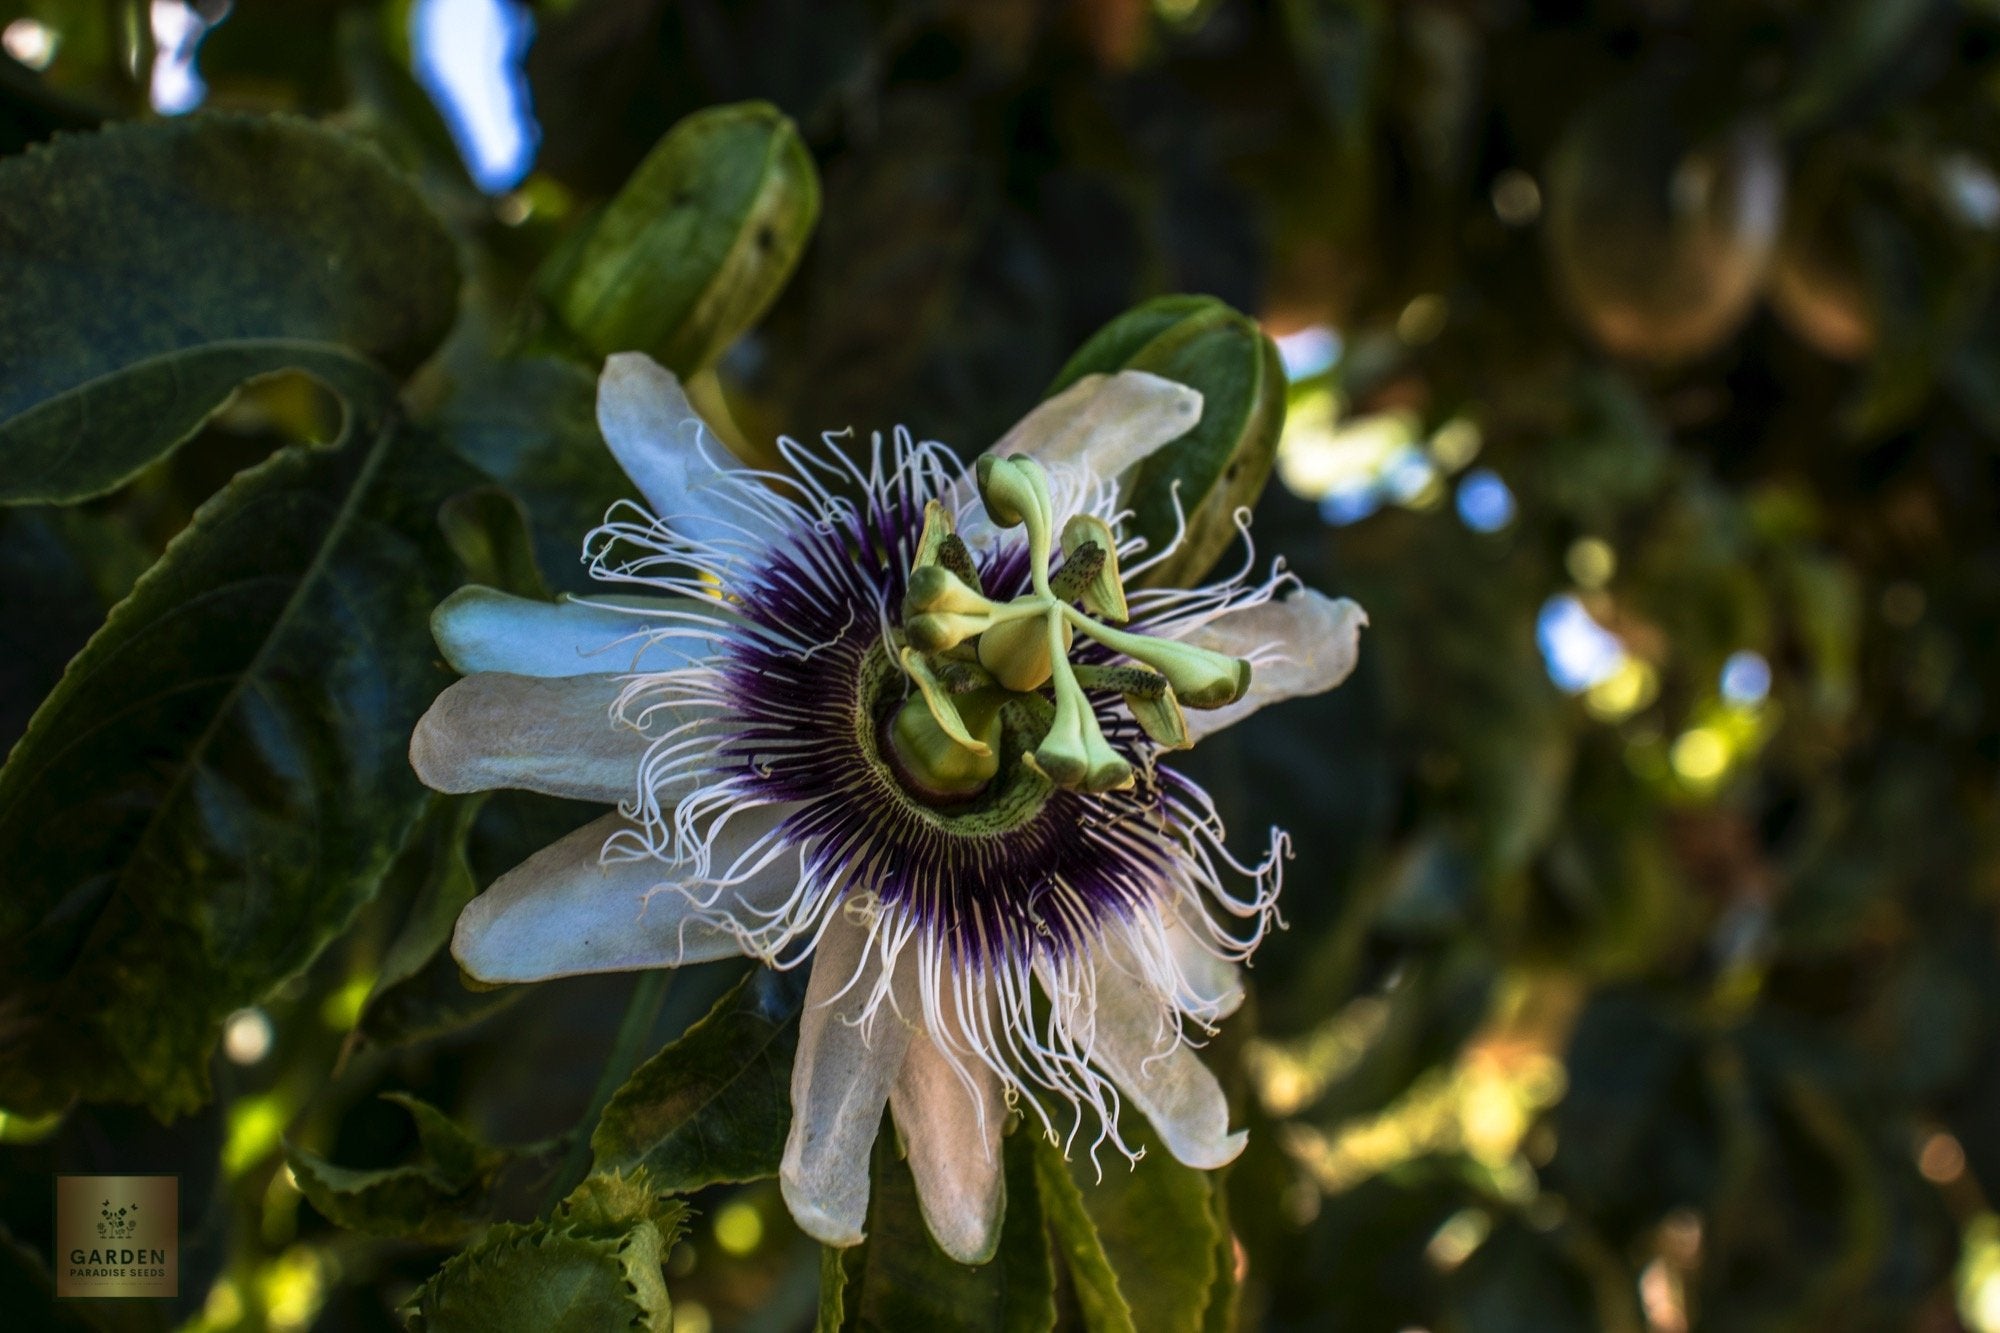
[{"x": 901, "y": 721}]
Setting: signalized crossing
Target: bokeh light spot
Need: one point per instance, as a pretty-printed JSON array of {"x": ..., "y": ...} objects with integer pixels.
[
  {"x": 739, "y": 1228},
  {"x": 1517, "y": 200},
  {"x": 1423, "y": 319},
  {"x": 1307, "y": 352},
  {"x": 1746, "y": 678},
  {"x": 29, "y": 41},
  {"x": 246, "y": 1037},
  {"x": 1591, "y": 562},
  {"x": 177, "y": 87},
  {"x": 1624, "y": 692},
  {"x": 1941, "y": 1159},
  {"x": 1578, "y": 651},
  {"x": 1700, "y": 755},
  {"x": 469, "y": 57},
  {"x": 1484, "y": 502}
]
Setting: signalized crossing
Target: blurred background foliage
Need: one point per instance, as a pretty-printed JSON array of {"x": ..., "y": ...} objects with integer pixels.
[{"x": 1643, "y": 969}]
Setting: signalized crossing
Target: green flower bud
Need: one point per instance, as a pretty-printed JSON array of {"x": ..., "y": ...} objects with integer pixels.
[
  {"x": 1221, "y": 465},
  {"x": 697, "y": 245}
]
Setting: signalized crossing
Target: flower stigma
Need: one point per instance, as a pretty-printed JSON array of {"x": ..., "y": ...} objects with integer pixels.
[{"x": 980, "y": 668}]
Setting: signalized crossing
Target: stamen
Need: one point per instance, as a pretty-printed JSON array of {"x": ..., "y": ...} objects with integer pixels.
[{"x": 1022, "y": 646}]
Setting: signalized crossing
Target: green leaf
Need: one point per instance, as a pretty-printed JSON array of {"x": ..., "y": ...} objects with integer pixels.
[
  {"x": 715, "y": 1105},
  {"x": 220, "y": 779},
  {"x": 1104, "y": 1307},
  {"x": 61, "y": 569},
  {"x": 1222, "y": 1311},
  {"x": 433, "y": 1199},
  {"x": 1222, "y": 464},
  {"x": 1142, "y": 1243},
  {"x": 697, "y": 245},
  {"x": 456, "y": 1154},
  {"x": 435, "y": 857},
  {"x": 899, "y": 1278},
  {"x": 418, "y": 992},
  {"x": 832, "y": 1312},
  {"x": 488, "y": 531},
  {"x": 531, "y": 425},
  {"x": 596, "y": 1264},
  {"x": 243, "y": 246},
  {"x": 1159, "y": 1233}
]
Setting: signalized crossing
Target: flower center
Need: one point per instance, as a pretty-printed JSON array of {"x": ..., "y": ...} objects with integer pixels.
[
  {"x": 929, "y": 784},
  {"x": 983, "y": 669}
]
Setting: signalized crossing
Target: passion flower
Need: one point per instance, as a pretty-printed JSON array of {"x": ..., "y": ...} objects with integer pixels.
[{"x": 904, "y": 720}]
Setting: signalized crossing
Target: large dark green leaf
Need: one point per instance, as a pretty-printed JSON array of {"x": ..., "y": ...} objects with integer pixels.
[
  {"x": 61, "y": 569},
  {"x": 899, "y": 1278},
  {"x": 220, "y": 778},
  {"x": 715, "y": 1105},
  {"x": 148, "y": 270}
]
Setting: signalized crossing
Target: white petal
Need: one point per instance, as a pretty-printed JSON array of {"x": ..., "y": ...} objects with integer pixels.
[
  {"x": 1310, "y": 643},
  {"x": 564, "y": 911},
  {"x": 1213, "y": 987},
  {"x": 1162, "y": 1075},
  {"x": 548, "y": 735},
  {"x": 1105, "y": 423},
  {"x": 840, "y": 1083},
  {"x": 484, "y": 629},
  {"x": 953, "y": 1139},
  {"x": 664, "y": 446},
  {"x": 1087, "y": 435}
]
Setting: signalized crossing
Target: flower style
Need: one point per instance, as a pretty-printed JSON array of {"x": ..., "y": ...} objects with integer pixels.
[{"x": 903, "y": 720}]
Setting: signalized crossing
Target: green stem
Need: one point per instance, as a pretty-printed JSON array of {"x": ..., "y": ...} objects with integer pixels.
[{"x": 641, "y": 1013}]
